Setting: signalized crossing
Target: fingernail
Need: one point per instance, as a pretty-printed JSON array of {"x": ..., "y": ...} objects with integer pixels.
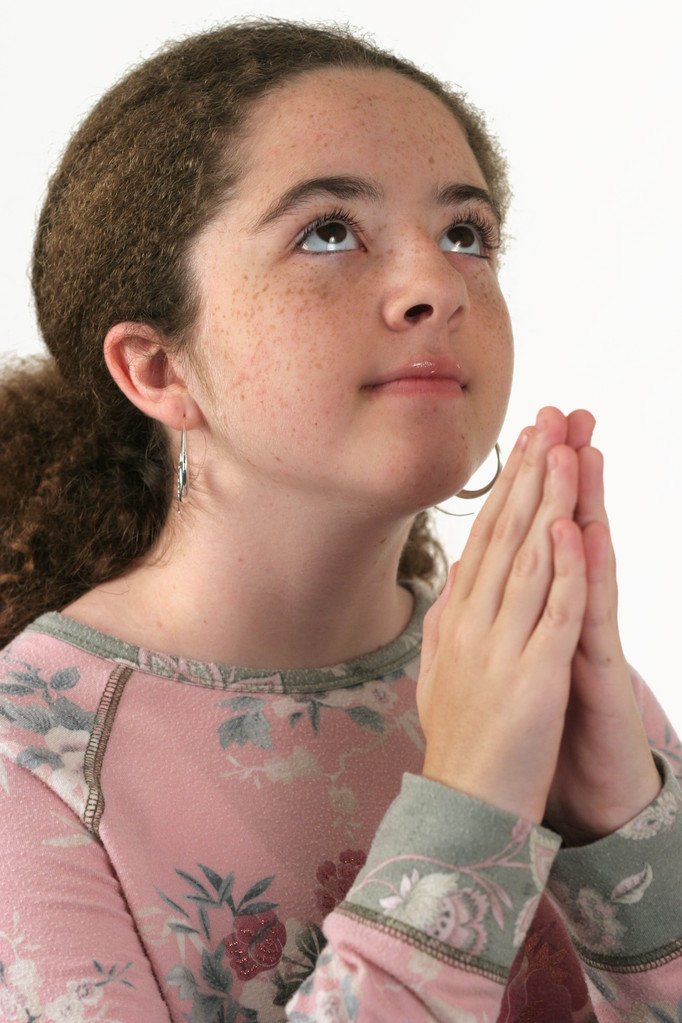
[
  {"x": 540, "y": 422},
  {"x": 523, "y": 440}
]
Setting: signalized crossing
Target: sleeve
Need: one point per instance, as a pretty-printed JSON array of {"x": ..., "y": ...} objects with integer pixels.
[
  {"x": 436, "y": 916},
  {"x": 621, "y": 896},
  {"x": 68, "y": 944}
]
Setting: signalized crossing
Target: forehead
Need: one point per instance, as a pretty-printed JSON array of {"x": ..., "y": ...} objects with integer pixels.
[{"x": 341, "y": 119}]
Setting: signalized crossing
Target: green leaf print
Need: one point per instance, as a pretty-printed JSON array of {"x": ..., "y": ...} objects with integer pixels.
[
  {"x": 310, "y": 941},
  {"x": 182, "y": 978},
  {"x": 31, "y": 757},
  {"x": 15, "y": 689},
  {"x": 225, "y": 893},
  {"x": 214, "y": 878},
  {"x": 34, "y": 719},
  {"x": 252, "y": 728},
  {"x": 183, "y": 929},
  {"x": 366, "y": 718},
  {"x": 257, "y": 907},
  {"x": 206, "y": 1009},
  {"x": 70, "y": 715},
  {"x": 173, "y": 905},
  {"x": 256, "y": 889},
  {"x": 248, "y": 703},
  {"x": 65, "y": 679},
  {"x": 314, "y": 714},
  {"x": 195, "y": 884},
  {"x": 213, "y": 971}
]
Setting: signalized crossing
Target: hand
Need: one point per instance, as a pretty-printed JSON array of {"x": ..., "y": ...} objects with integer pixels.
[
  {"x": 498, "y": 643},
  {"x": 605, "y": 773}
]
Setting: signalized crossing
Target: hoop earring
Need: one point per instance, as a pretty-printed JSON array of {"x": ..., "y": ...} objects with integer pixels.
[
  {"x": 182, "y": 466},
  {"x": 469, "y": 494}
]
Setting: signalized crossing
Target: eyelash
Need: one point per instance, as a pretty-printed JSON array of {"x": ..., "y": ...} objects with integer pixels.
[{"x": 473, "y": 218}]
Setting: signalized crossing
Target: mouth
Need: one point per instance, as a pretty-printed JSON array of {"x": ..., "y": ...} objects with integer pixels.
[
  {"x": 434, "y": 368},
  {"x": 444, "y": 386}
]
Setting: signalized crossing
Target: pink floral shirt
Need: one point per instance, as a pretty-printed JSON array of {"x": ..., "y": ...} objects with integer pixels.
[{"x": 190, "y": 841}]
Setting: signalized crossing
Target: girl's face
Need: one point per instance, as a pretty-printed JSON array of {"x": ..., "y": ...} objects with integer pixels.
[{"x": 293, "y": 327}]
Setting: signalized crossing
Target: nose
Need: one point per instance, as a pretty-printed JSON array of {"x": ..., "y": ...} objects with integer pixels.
[{"x": 424, "y": 286}]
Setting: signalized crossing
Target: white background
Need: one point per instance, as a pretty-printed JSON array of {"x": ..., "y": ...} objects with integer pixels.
[{"x": 585, "y": 99}]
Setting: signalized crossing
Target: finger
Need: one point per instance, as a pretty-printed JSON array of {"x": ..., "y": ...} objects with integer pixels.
[
  {"x": 590, "y": 506},
  {"x": 532, "y": 568},
  {"x": 516, "y": 513},
  {"x": 581, "y": 425},
  {"x": 600, "y": 635},
  {"x": 431, "y": 622},
  {"x": 599, "y": 638},
  {"x": 554, "y": 639}
]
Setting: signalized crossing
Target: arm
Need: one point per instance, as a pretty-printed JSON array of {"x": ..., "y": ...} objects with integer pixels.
[
  {"x": 621, "y": 896},
  {"x": 435, "y": 917},
  {"x": 68, "y": 944}
]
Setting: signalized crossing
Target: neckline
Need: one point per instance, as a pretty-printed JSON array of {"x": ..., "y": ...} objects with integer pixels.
[{"x": 379, "y": 663}]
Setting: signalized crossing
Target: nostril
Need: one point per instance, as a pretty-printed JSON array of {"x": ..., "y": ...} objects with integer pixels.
[{"x": 417, "y": 310}]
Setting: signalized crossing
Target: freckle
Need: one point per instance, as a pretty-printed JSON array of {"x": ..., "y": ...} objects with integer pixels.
[{"x": 431, "y": 160}]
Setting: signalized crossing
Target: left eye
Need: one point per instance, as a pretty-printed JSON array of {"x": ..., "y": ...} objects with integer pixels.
[{"x": 462, "y": 236}]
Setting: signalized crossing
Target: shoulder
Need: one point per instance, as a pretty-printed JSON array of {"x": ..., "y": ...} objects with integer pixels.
[{"x": 49, "y": 695}]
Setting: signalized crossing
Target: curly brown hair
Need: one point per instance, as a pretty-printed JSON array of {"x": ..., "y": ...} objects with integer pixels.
[{"x": 88, "y": 479}]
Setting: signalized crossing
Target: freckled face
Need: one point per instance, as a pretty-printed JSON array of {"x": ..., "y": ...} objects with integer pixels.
[{"x": 289, "y": 335}]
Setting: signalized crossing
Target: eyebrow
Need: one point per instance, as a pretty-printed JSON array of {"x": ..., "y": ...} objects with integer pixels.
[{"x": 348, "y": 186}]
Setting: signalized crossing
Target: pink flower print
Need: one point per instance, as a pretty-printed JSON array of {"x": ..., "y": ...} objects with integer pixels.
[
  {"x": 594, "y": 921},
  {"x": 249, "y": 956},
  {"x": 545, "y": 981},
  {"x": 461, "y": 921},
  {"x": 337, "y": 880},
  {"x": 436, "y": 905},
  {"x": 660, "y": 816}
]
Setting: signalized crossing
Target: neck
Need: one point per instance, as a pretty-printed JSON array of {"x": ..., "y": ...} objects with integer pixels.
[{"x": 261, "y": 592}]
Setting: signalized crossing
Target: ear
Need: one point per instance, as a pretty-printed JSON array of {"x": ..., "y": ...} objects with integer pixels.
[{"x": 138, "y": 362}]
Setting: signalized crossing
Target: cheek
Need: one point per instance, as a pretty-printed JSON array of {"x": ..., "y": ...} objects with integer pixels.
[
  {"x": 279, "y": 352},
  {"x": 495, "y": 335}
]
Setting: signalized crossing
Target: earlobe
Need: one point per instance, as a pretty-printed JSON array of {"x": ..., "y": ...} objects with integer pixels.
[{"x": 139, "y": 365}]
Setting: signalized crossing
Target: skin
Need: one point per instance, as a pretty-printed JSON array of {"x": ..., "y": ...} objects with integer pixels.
[
  {"x": 306, "y": 487},
  {"x": 303, "y": 487}
]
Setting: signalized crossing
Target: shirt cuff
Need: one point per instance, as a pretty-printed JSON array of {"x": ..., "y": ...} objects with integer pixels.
[
  {"x": 454, "y": 875},
  {"x": 621, "y": 896}
]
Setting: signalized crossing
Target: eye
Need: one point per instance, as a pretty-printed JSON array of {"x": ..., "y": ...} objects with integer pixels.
[
  {"x": 475, "y": 230},
  {"x": 328, "y": 230}
]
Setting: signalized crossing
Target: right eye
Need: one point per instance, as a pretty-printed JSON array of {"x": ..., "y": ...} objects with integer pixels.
[{"x": 329, "y": 229}]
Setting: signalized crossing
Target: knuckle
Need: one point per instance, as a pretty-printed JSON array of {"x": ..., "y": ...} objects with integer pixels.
[
  {"x": 558, "y": 614},
  {"x": 526, "y": 562},
  {"x": 509, "y": 526},
  {"x": 480, "y": 530},
  {"x": 597, "y": 619}
]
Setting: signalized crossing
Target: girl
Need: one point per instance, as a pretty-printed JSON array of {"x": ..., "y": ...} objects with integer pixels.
[{"x": 256, "y": 767}]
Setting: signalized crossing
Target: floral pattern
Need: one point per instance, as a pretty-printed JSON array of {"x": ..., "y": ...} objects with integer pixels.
[
  {"x": 256, "y": 942},
  {"x": 593, "y": 918},
  {"x": 235, "y": 931},
  {"x": 660, "y": 816},
  {"x": 21, "y": 986},
  {"x": 336, "y": 880}
]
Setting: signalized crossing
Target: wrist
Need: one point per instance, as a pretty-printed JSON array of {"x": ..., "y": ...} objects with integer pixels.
[{"x": 600, "y": 823}]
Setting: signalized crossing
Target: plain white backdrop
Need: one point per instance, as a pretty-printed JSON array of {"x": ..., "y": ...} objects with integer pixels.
[{"x": 585, "y": 100}]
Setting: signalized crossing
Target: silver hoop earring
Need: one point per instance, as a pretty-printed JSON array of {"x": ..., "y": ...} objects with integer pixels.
[
  {"x": 182, "y": 467},
  {"x": 469, "y": 494}
]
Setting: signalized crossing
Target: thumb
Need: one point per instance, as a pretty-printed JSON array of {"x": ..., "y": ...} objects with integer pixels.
[{"x": 431, "y": 622}]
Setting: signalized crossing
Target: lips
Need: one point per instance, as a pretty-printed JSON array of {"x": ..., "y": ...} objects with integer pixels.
[{"x": 442, "y": 367}]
